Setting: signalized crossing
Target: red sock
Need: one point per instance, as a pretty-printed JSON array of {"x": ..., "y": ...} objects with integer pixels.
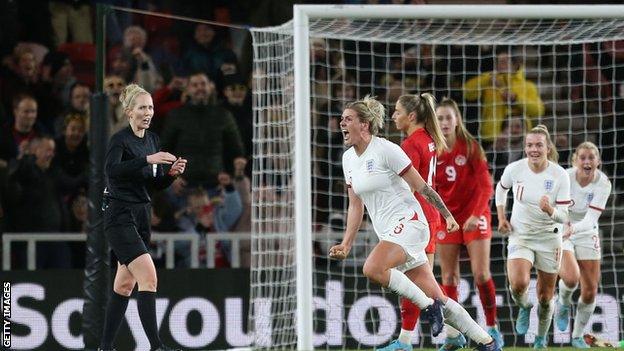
[
  {"x": 450, "y": 291},
  {"x": 487, "y": 293},
  {"x": 409, "y": 314}
]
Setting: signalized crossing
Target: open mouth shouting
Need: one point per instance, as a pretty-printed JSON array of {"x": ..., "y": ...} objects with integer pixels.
[{"x": 345, "y": 134}]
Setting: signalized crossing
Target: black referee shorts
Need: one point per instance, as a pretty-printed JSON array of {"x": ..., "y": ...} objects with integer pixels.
[{"x": 127, "y": 228}]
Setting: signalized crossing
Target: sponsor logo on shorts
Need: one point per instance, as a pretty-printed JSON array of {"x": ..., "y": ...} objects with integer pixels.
[
  {"x": 441, "y": 234},
  {"x": 460, "y": 160}
]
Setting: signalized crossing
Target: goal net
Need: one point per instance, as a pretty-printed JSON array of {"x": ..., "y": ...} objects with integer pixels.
[{"x": 576, "y": 66}]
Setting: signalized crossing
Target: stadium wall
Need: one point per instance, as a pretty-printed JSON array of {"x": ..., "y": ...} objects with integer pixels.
[{"x": 208, "y": 309}]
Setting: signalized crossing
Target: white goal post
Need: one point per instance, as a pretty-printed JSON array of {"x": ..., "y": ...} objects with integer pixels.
[{"x": 384, "y": 23}]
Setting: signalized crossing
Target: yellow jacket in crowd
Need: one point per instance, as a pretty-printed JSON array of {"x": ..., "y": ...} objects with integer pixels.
[{"x": 503, "y": 95}]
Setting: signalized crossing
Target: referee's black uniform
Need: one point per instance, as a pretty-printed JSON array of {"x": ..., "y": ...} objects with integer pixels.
[{"x": 127, "y": 208}]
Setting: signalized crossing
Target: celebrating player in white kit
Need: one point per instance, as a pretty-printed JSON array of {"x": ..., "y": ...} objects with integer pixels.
[
  {"x": 590, "y": 189},
  {"x": 380, "y": 176},
  {"x": 541, "y": 191}
]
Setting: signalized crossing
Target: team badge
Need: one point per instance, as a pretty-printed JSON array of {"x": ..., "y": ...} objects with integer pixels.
[
  {"x": 369, "y": 165},
  {"x": 441, "y": 235},
  {"x": 460, "y": 160},
  {"x": 548, "y": 185},
  {"x": 590, "y": 197},
  {"x": 431, "y": 147}
]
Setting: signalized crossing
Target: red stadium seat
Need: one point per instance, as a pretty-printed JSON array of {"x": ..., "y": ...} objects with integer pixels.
[{"x": 82, "y": 57}]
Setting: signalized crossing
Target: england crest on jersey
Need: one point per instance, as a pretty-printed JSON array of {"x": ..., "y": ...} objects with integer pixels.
[
  {"x": 548, "y": 185},
  {"x": 590, "y": 197},
  {"x": 369, "y": 165}
]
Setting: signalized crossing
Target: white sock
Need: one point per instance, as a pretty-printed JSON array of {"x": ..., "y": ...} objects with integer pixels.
[
  {"x": 457, "y": 317},
  {"x": 406, "y": 336},
  {"x": 583, "y": 313},
  {"x": 451, "y": 332},
  {"x": 402, "y": 285},
  {"x": 565, "y": 293},
  {"x": 521, "y": 299},
  {"x": 544, "y": 316}
]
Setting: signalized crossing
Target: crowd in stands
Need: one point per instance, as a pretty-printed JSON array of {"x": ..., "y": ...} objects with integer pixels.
[
  {"x": 202, "y": 111},
  {"x": 199, "y": 76}
]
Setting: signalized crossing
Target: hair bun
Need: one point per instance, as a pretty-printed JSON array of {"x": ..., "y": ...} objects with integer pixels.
[{"x": 129, "y": 93}]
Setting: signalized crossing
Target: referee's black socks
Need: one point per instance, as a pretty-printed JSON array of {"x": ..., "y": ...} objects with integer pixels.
[
  {"x": 115, "y": 311},
  {"x": 146, "y": 304}
]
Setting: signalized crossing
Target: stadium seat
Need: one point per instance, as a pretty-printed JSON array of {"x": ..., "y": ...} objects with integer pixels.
[{"x": 82, "y": 56}]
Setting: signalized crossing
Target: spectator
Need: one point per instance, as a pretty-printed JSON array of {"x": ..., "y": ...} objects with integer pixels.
[
  {"x": 503, "y": 92},
  {"x": 220, "y": 213},
  {"x": 72, "y": 155},
  {"x": 176, "y": 195},
  {"x": 238, "y": 102},
  {"x": 113, "y": 85},
  {"x": 242, "y": 184},
  {"x": 57, "y": 76},
  {"x": 167, "y": 98},
  {"x": 202, "y": 132},
  {"x": 24, "y": 79},
  {"x": 508, "y": 145},
  {"x": 79, "y": 103},
  {"x": 208, "y": 55},
  {"x": 80, "y": 98},
  {"x": 71, "y": 18},
  {"x": 132, "y": 63},
  {"x": 35, "y": 204},
  {"x": 14, "y": 138},
  {"x": 58, "y": 72}
]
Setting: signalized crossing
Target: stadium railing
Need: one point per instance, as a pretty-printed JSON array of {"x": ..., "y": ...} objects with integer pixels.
[{"x": 32, "y": 238}]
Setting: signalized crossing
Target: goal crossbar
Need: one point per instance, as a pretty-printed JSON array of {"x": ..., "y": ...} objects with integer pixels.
[{"x": 461, "y": 11}]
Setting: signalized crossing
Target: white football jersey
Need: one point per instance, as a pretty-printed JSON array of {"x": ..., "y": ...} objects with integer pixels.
[
  {"x": 594, "y": 195},
  {"x": 375, "y": 176},
  {"x": 528, "y": 221}
]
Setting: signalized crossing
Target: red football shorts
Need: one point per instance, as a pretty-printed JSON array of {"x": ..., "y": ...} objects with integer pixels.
[
  {"x": 431, "y": 246},
  {"x": 483, "y": 231}
]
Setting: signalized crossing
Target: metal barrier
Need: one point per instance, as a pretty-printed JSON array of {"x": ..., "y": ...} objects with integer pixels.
[
  {"x": 170, "y": 238},
  {"x": 32, "y": 238}
]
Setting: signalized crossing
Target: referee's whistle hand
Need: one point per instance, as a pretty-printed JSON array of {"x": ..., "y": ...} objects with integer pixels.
[{"x": 161, "y": 157}]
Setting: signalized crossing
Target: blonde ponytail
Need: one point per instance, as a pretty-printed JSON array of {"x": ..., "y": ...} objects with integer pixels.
[{"x": 423, "y": 106}]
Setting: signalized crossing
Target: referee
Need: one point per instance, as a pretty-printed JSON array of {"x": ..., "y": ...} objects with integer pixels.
[{"x": 134, "y": 163}]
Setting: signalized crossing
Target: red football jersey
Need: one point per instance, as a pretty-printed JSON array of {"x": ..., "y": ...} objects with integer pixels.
[
  {"x": 420, "y": 148},
  {"x": 464, "y": 183}
]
